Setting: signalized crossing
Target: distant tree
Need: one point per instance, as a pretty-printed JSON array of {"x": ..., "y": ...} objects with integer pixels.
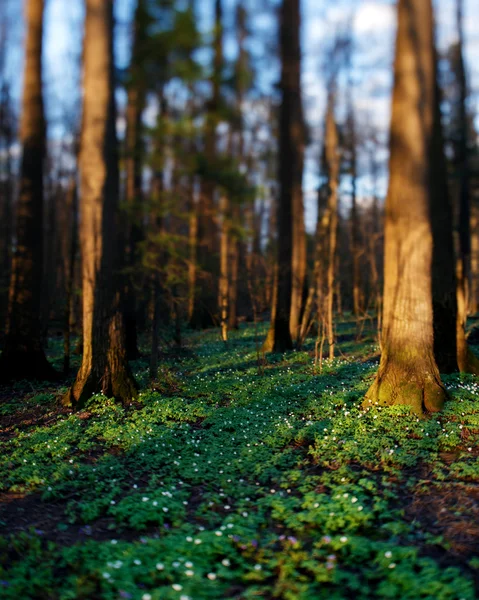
[
  {"x": 23, "y": 356},
  {"x": 104, "y": 365},
  {"x": 451, "y": 277},
  {"x": 467, "y": 361},
  {"x": 331, "y": 215},
  {"x": 408, "y": 373},
  {"x": 137, "y": 86},
  {"x": 290, "y": 171}
]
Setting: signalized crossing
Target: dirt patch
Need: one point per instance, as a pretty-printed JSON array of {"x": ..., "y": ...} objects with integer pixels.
[
  {"x": 450, "y": 511},
  {"x": 29, "y": 514}
]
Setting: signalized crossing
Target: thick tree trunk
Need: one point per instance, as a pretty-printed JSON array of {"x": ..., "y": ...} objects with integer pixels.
[
  {"x": 104, "y": 365},
  {"x": 408, "y": 373},
  {"x": 290, "y": 166},
  {"x": 23, "y": 356}
]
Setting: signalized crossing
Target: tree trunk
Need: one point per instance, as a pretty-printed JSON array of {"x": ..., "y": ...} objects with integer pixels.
[
  {"x": 134, "y": 192},
  {"x": 69, "y": 267},
  {"x": 355, "y": 251},
  {"x": 233, "y": 272},
  {"x": 408, "y": 373},
  {"x": 206, "y": 291},
  {"x": 104, "y": 365},
  {"x": 289, "y": 172},
  {"x": 466, "y": 360},
  {"x": 332, "y": 161},
  {"x": 6, "y": 206},
  {"x": 474, "y": 294},
  {"x": 299, "y": 257},
  {"x": 23, "y": 356},
  {"x": 223, "y": 297}
]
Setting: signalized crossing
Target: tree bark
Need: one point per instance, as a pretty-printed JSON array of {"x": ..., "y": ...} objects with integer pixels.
[
  {"x": 408, "y": 373},
  {"x": 332, "y": 161},
  {"x": 223, "y": 296},
  {"x": 289, "y": 172},
  {"x": 23, "y": 355},
  {"x": 134, "y": 191},
  {"x": 104, "y": 367},
  {"x": 69, "y": 269},
  {"x": 466, "y": 360}
]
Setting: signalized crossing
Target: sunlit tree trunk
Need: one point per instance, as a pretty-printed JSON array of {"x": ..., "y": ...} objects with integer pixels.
[
  {"x": 408, "y": 373},
  {"x": 23, "y": 356},
  {"x": 104, "y": 365},
  {"x": 290, "y": 166},
  {"x": 297, "y": 128},
  {"x": 332, "y": 162}
]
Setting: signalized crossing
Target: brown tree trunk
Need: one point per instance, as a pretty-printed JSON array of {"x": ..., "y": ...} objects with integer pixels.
[
  {"x": 223, "y": 296},
  {"x": 206, "y": 292},
  {"x": 355, "y": 250},
  {"x": 69, "y": 268},
  {"x": 6, "y": 200},
  {"x": 408, "y": 373},
  {"x": 474, "y": 293},
  {"x": 192, "y": 253},
  {"x": 233, "y": 275},
  {"x": 466, "y": 360},
  {"x": 290, "y": 170},
  {"x": 23, "y": 356},
  {"x": 134, "y": 192},
  {"x": 299, "y": 258},
  {"x": 332, "y": 161},
  {"x": 104, "y": 365}
]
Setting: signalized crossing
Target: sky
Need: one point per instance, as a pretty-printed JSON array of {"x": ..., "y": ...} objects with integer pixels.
[{"x": 373, "y": 24}]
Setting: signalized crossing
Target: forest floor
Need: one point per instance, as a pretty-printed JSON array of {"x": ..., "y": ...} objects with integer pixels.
[{"x": 229, "y": 481}]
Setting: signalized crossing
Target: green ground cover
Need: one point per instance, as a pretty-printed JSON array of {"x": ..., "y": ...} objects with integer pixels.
[{"x": 223, "y": 482}]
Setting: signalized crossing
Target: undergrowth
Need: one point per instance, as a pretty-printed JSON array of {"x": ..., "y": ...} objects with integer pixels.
[{"x": 221, "y": 482}]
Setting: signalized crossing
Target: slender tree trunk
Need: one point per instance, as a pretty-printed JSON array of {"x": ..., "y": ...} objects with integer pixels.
[
  {"x": 134, "y": 191},
  {"x": 299, "y": 258},
  {"x": 233, "y": 272},
  {"x": 290, "y": 171},
  {"x": 206, "y": 299},
  {"x": 23, "y": 356},
  {"x": 69, "y": 267},
  {"x": 192, "y": 253},
  {"x": 332, "y": 160},
  {"x": 104, "y": 365},
  {"x": 408, "y": 373},
  {"x": 223, "y": 297},
  {"x": 355, "y": 250},
  {"x": 6, "y": 205},
  {"x": 466, "y": 360},
  {"x": 474, "y": 294}
]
